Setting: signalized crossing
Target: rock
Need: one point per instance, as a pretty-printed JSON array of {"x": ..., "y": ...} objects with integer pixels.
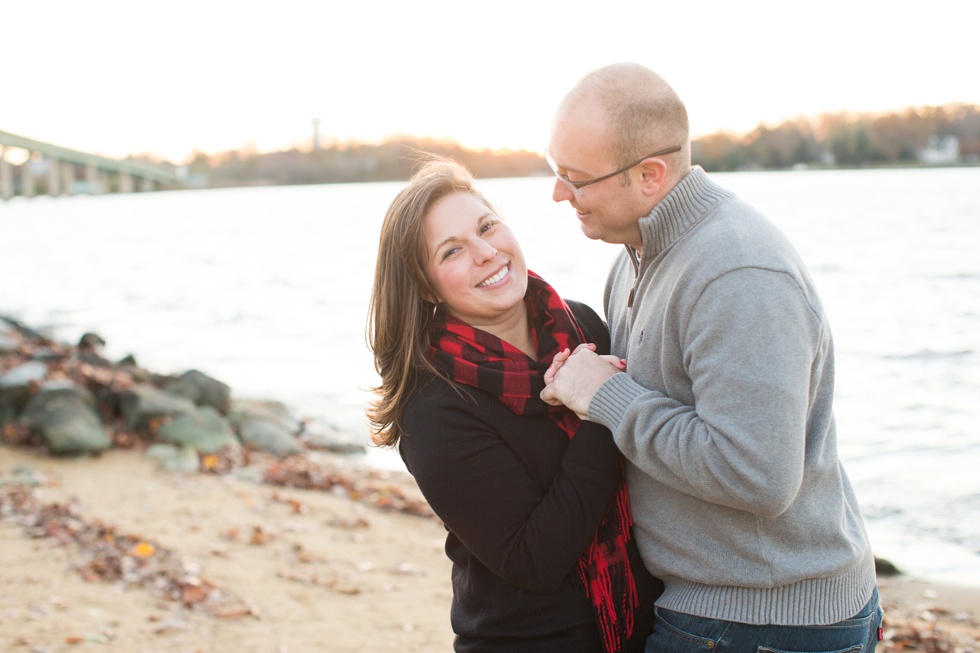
[
  {"x": 23, "y": 475},
  {"x": 22, "y": 328},
  {"x": 144, "y": 402},
  {"x": 16, "y": 385},
  {"x": 886, "y": 568},
  {"x": 175, "y": 459},
  {"x": 66, "y": 421},
  {"x": 89, "y": 349},
  {"x": 8, "y": 412},
  {"x": 201, "y": 389},
  {"x": 90, "y": 341},
  {"x": 268, "y": 435},
  {"x": 266, "y": 425},
  {"x": 47, "y": 354},
  {"x": 128, "y": 364},
  {"x": 23, "y": 375},
  {"x": 275, "y": 411},
  {"x": 203, "y": 429},
  {"x": 317, "y": 434},
  {"x": 8, "y": 344}
]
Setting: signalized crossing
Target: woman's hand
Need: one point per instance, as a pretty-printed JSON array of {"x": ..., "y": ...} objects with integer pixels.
[{"x": 562, "y": 356}]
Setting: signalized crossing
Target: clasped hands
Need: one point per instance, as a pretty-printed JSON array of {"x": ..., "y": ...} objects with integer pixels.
[{"x": 574, "y": 377}]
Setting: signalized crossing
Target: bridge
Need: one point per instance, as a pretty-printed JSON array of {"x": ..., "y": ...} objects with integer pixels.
[{"x": 55, "y": 170}]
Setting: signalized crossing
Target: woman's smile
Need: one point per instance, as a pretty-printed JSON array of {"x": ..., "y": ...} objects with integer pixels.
[{"x": 501, "y": 273}]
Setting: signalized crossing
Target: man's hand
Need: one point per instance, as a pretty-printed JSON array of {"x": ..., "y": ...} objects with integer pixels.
[{"x": 577, "y": 377}]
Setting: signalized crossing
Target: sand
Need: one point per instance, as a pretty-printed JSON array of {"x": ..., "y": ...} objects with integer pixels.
[{"x": 309, "y": 571}]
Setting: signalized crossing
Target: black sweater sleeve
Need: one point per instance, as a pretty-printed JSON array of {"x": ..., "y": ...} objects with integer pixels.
[{"x": 528, "y": 531}]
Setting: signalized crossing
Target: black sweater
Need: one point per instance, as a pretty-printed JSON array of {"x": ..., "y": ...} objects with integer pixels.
[{"x": 521, "y": 502}]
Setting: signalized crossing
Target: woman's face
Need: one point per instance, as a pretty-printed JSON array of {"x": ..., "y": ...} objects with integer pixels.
[{"x": 474, "y": 262}]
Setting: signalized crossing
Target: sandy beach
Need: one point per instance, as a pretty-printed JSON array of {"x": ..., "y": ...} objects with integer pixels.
[
  {"x": 287, "y": 570},
  {"x": 316, "y": 571}
]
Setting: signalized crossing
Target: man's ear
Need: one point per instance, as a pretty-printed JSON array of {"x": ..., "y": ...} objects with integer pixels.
[{"x": 653, "y": 173}]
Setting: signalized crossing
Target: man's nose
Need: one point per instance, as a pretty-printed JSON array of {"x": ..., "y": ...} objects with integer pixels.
[{"x": 561, "y": 192}]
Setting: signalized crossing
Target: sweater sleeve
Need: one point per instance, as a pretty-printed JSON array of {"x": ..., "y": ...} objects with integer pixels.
[
  {"x": 749, "y": 345},
  {"x": 528, "y": 534}
]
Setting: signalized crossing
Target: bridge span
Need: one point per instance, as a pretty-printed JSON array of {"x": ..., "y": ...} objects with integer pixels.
[{"x": 55, "y": 170}]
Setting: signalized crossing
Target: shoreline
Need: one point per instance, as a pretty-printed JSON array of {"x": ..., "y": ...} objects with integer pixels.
[{"x": 304, "y": 567}]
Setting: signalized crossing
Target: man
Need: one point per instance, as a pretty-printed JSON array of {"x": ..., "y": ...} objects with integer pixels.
[{"x": 724, "y": 413}]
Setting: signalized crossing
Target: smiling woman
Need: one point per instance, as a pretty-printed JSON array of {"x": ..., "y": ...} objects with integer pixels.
[{"x": 533, "y": 498}]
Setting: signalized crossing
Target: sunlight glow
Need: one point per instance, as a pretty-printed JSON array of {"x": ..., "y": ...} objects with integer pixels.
[{"x": 214, "y": 76}]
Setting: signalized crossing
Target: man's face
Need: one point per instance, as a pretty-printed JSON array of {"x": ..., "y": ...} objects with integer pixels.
[{"x": 607, "y": 210}]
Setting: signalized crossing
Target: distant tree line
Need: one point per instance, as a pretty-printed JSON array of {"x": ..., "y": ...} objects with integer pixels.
[
  {"x": 844, "y": 139},
  {"x": 832, "y": 140},
  {"x": 392, "y": 160}
]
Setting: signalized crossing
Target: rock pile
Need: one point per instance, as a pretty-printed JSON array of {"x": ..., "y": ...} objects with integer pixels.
[{"x": 73, "y": 401}]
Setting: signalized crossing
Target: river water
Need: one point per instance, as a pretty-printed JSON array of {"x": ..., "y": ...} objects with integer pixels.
[{"x": 267, "y": 288}]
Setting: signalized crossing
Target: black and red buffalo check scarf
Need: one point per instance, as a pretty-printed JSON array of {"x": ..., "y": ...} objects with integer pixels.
[{"x": 476, "y": 358}]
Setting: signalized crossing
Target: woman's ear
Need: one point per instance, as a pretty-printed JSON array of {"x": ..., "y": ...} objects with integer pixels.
[{"x": 428, "y": 295}]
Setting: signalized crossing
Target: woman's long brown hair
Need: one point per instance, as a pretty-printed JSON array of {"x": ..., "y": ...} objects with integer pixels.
[{"x": 398, "y": 314}]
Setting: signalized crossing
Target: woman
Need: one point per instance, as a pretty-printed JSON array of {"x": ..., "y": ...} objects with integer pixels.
[{"x": 533, "y": 498}]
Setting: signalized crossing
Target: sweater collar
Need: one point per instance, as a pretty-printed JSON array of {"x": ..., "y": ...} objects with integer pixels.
[{"x": 683, "y": 207}]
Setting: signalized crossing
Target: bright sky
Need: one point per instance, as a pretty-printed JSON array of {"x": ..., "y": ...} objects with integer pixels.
[{"x": 121, "y": 77}]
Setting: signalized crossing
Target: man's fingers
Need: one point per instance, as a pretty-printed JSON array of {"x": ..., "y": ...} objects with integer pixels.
[{"x": 548, "y": 396}]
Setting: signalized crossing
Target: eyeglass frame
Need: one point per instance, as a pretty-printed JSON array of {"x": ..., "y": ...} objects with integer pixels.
[{"x": 576, "y": 186}]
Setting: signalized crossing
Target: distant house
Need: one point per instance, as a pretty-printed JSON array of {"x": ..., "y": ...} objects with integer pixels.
[{"x": 941, "y": 149}]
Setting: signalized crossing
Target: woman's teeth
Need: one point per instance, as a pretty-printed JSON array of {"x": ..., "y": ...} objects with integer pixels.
[{"x": 495, "y": 278}]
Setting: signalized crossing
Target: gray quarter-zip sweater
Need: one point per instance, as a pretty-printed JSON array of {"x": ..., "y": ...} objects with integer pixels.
[{"x": 725, "y": 416}]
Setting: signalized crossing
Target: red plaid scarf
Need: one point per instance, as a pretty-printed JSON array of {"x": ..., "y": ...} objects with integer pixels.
[{"x": 476, "y": 358}]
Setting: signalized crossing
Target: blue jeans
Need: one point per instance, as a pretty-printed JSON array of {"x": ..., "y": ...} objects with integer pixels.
[{"x": 676, "y": 632}]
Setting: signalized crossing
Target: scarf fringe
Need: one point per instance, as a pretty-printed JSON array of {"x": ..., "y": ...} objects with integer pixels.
[{"x": 604, "y": 580}]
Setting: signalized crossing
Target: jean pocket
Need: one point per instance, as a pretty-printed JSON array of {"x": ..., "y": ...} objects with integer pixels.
[{"x": 698, "y": 631}]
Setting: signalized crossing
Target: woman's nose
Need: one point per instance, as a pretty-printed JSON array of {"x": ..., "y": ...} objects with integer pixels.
[{"x": 485, "y": 252}]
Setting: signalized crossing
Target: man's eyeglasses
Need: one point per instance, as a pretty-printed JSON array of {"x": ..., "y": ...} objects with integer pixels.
[{"x": 576, "y": 186}]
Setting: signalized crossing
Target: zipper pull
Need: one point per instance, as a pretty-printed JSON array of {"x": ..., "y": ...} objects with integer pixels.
[{"x": 629, "y": 303}]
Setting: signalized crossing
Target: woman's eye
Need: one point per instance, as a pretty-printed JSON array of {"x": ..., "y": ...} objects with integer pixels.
[
  {"x": 449, "y": 252},
  {"x": 487, "y": 226}
]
